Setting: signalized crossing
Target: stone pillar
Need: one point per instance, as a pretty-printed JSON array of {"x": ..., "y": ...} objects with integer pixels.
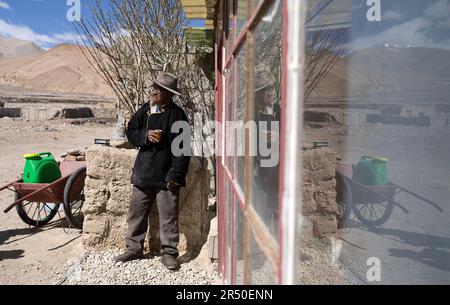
[
  {"x": 319, "y": 190},
  {"x": 108, "y": 192},
  {"x": 319, "y": 249}
]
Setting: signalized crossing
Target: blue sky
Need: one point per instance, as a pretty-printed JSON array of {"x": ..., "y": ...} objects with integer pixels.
[
  {"x": 404, "y": 22},
  {"x": 42, "y": 21}
]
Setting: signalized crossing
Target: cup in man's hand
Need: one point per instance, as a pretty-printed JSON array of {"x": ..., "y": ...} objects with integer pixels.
[
  {"x": 154, "y": 136},
  {"x": 159, "y": 133}
]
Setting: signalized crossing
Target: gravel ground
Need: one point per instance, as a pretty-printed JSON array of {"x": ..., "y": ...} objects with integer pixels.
[{"x": 100, "y": 269}]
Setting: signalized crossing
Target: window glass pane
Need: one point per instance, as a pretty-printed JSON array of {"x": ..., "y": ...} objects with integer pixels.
[
  {"x": 230, "y": 132},
  {"x": 241, "y": 15},
  {"x": 230, "y": 27},
  {"x": 267, "y": 91},
  {"x": 260, "y": 271},
  {"x": 377, "y": 91},
  {"x": 240, "y": 116},
  {"x": 239, "y": 244},
  {"x": 256, "y": 3},
  {"x": 229, "y": 229},
  {"x": 219, "y": 26}
]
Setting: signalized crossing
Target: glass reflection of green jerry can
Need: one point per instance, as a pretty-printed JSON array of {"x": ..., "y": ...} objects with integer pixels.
[
  {"x": 41, "y": 168},
  {"x": 371, "y": 171}
]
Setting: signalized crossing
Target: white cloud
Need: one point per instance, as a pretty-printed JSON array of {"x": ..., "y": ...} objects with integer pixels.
[
  {"x": 439, "y": 9},
  {"x": 4, "y": 5},
  {"x": 25, "y": 33},
  {"x": 391, "y": 15},
  {"x": 410, "y": 33},
  {"x": 407, "y": 33}
]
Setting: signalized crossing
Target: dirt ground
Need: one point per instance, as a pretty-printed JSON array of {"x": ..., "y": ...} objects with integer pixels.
[{"x": 38, "y": 256}]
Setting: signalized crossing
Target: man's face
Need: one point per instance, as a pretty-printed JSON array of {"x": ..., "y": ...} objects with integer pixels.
[
  {"x": 268, "y": 97},
  {"x": 159, "y": 95}
]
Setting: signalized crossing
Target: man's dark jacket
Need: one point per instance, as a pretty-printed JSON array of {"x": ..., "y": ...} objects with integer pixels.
[{"x": 155, "y": 164}]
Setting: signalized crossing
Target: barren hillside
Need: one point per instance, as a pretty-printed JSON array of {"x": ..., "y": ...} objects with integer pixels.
[
  {"x": 62, "y": 69},
  {"x": 13, "y": 48}
]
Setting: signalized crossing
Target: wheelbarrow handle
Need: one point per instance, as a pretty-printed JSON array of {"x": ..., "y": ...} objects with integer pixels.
[
  {"x": 9, "y": 184},
  {"x": 34, "y": 193},
  {"x": 437, "y": 207}
]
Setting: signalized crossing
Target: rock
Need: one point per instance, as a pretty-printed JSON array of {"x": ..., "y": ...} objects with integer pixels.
[
  {"x": 74, "y": 152},
  {"x": 81, "y": 158},
  {"x": 325, "y": 225},
  {"x": 121, "y": 144},
  {"x": 71, "y": 158}
]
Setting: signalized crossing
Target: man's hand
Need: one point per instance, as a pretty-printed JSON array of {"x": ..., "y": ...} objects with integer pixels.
[
  {"x": 171, "y": 185},
  {"x": 154, "y": 136}
]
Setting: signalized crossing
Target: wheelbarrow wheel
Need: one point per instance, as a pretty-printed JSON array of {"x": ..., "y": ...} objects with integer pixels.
[
  {"x": 343, "y": 200},
  {"x": 36, "y": 214},
  {"x": 74, "y": 198},
  {"x": 373, "y": 214}
]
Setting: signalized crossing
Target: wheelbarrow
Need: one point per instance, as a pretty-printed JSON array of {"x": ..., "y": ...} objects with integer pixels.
[
  {"x": 38, "y": 203},
  {"x": 371, "y": 204}
]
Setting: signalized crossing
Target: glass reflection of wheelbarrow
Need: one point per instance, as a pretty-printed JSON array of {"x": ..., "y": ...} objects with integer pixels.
[
  {"x": 371, "y": 204},
  {"x": 38, "y": 203}
]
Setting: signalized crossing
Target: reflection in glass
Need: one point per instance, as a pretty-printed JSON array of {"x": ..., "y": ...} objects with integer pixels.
[
  {"x": 382, "y": 105},
  {"x": 241, "y": 16},
  {"x": 239, "y": 244},
  {"x": 267, "y": 92},
  {"x": 240, "y": 116},
  {"x": 260, "y": 271},
  {"x": 230, "y": 133}
]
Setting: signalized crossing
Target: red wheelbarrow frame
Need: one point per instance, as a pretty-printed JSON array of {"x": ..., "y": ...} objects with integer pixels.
[{"x": 44, "y": 192}]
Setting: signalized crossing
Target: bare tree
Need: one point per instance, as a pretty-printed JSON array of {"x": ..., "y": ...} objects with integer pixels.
[
  {"x": 129, "y": 41},
  {"x": 323, "y": 49}
]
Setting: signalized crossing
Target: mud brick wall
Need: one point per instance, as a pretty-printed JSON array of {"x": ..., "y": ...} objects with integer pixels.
[
  {"x": 108, "y": 192},
  {"x": 318, "y": 256},
  {"x": 319, "y": 190}
]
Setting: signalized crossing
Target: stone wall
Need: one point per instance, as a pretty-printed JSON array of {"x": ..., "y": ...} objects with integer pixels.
[
  {"x": 319, "y": 190},
  {"x": 319, "y": 245},
  {"x": 108, "y": 192}
]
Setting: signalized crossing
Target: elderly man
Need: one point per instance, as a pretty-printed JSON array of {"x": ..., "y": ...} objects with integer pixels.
[{"x": 157, "y": 174}]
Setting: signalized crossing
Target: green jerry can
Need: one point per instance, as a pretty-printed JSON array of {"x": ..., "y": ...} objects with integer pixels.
[
  {"x": 41, "y": 168},
  {"x": 371, "y": 171}
]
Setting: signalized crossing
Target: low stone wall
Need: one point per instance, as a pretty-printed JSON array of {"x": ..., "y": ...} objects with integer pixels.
[
  {"x": 108, "y": 192},
  {"x": 319, "y": 190},
  {"x": 319, "y": 247},
  {"x": 75, "y": 113},
  {"x": 318, "y": 117}
]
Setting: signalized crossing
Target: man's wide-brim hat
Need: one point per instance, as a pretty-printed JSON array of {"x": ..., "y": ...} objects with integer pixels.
[{"x": 168, "y": 81}]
